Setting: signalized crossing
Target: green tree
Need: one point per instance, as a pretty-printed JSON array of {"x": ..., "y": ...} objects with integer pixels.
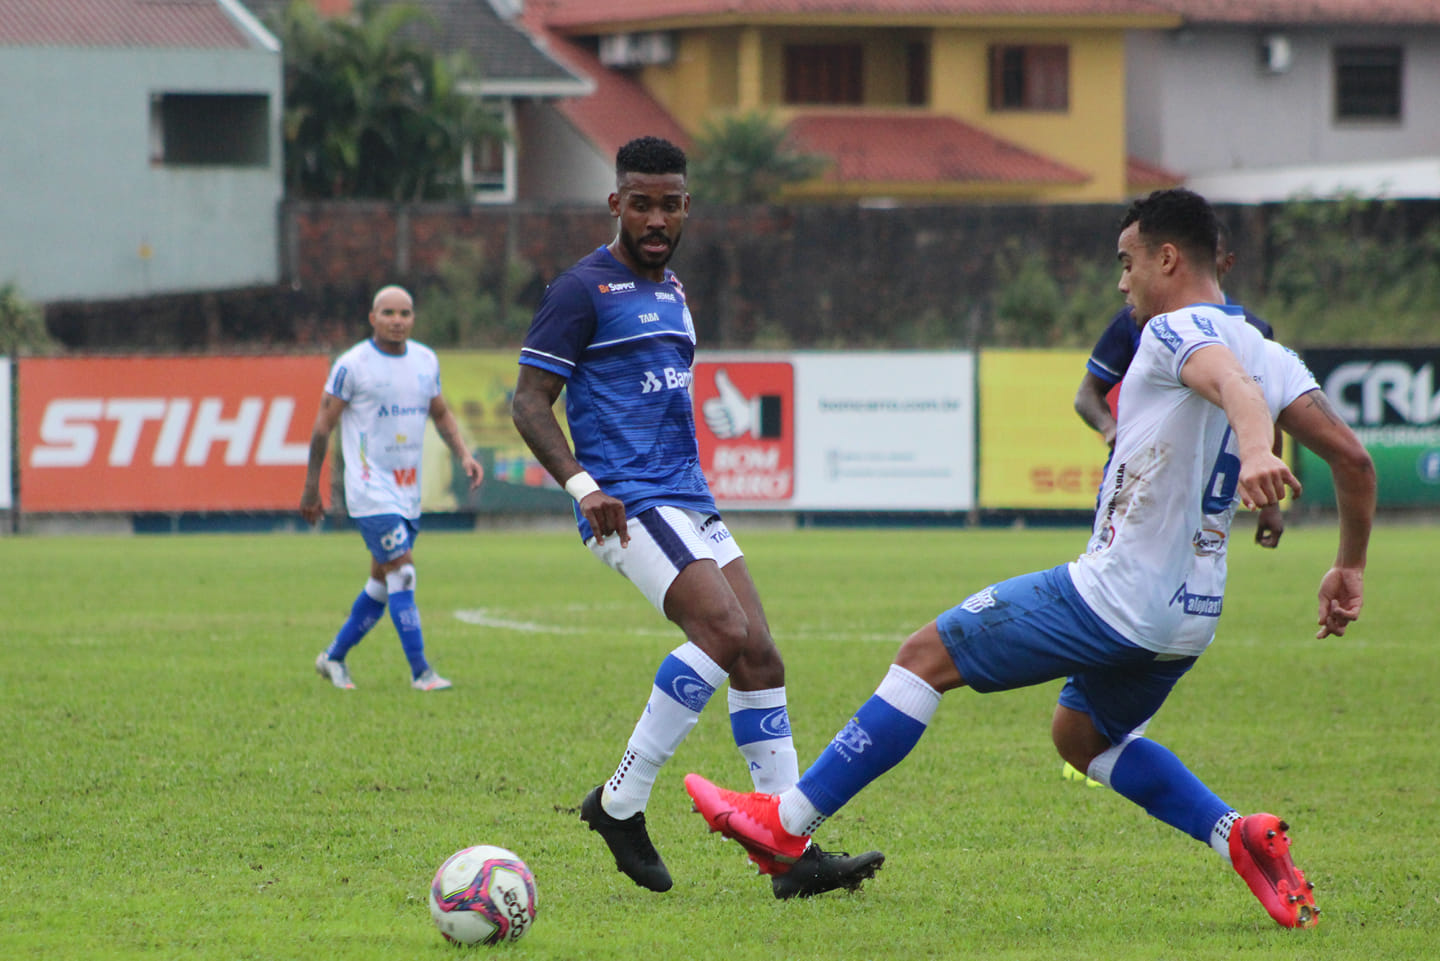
[
  {"x": 22, "y": 324},
  {"x": 747, "y": 159},
  {"x": 371, "y": 112}
]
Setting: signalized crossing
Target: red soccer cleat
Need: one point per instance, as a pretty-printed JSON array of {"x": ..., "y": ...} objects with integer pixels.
[
  {"x": 1260, "y": 852},
  {"x": 752, "y": 819}
]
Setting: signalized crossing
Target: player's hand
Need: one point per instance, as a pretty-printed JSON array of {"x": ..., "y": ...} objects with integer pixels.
[
  {"x": 606, "y": 515},
  {"x": 1263, "y": 480},
  {"x": 731, "y": 414},
  {"x": 311, "y": 507},
  {"x": 1269, "y": 526},
  {"x": 1342, "y": 591},
  {"x": 473, "y": 470}
]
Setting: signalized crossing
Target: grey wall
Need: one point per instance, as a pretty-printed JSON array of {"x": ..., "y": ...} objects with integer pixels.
[
  {"x": 1198, "y": 101},
  {"x": 81, "y": 199}
]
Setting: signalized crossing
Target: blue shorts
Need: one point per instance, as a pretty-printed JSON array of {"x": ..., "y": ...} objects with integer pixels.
[
  {"x": 1036, "y": 628},
  {"x": 388, "y": 536}
]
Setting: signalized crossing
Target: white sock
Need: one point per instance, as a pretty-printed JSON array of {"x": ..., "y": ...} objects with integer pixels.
[
  {"x": 761, "y": 727},
  {"x": 686, "y": 673},
  {"x": 1220, "y": 834},
  {"x": 798, "y": 815}
]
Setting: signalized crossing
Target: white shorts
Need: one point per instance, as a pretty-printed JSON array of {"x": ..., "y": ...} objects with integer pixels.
[{"x": 663, "y": 541}]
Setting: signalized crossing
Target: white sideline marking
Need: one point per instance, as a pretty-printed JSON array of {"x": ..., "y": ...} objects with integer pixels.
[{"x": 489, "y": 617}]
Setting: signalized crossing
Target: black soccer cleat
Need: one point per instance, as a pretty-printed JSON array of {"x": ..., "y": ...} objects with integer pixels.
[
  {"x": 629, "y": 842},
  {"x": 819, "y": 871}
]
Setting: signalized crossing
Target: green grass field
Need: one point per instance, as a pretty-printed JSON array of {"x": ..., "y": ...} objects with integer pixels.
[{"x": 175, "y": 781}]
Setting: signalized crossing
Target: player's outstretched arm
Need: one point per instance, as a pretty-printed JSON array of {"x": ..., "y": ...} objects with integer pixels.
[
  {"x": 312, "y": 507},
  {"x": 449, "y": 430},
  {"x": 1312, "y": 421},
  {"x": 533, "y": 411},
  {"x": 1093, "y": 408}
]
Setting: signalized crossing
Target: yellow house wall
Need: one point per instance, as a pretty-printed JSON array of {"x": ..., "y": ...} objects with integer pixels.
[{"x": 1090, "y": 136}]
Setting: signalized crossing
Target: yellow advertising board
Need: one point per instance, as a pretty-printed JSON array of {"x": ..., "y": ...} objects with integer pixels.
[
  {"x": 478, "y": 385},
  {"x": 1035, "y": 451}
]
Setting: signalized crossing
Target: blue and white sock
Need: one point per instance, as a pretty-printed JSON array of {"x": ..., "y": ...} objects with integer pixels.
[
  {"x": 761, "y": 725},
  {"x": 878, "y": 737},
  {"x": 406, "y": 617},
  {"x": 683, "y": 686},
  {"x": 365, "y": 613},
  {"x": 1154, "y": 778}
]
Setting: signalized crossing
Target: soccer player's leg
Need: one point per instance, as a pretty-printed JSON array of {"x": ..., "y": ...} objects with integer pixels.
[{"x": 1096, "y": 707}]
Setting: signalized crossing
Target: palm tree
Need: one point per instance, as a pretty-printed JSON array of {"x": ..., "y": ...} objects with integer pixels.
[
  {"x": 746, "y": 159},
  {"x": 371, "y": 113}
]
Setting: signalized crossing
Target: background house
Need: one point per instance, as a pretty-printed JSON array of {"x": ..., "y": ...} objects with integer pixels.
[
  {"x": 947, "y": 100},
  {"x": 1262, "y": 99},
  {"x": 518, "y": 79},
  {"x": 142, "y": 151}
]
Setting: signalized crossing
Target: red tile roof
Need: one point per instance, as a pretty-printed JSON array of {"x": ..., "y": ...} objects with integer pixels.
[
  {"x": 1297, "y": 12},
  {"x": 619, "y": 110},
  {"x": 870, "y": 147},
  {"x": 118, "y": 23},
  {"x": 571, "y": 14},
  {"x": 1142, "y": 175}
]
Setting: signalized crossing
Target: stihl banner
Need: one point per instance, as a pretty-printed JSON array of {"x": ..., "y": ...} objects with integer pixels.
[{"x": 166, "y": 434}]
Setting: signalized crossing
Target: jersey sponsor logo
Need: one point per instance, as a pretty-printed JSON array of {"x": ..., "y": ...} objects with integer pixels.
[
  {"x": 619, "y": 288},
  {"x": 673, "y": 380},
  {"x": 1208, "y": 541},
  {"x": 338, "y": 386},
  {"x": 400, "y": 410},
  {"x": 666, "y": 296},
  {"x": 853, "y": 738},
  {"x": 1201, "y": 605},
  {"x": 650, "y": 318},
  {"x": 1203, "y": 324},
  {"x": 1167, "y": 336},
  {"x": 980, "y": 601},
  {"x": 396, "y": 538},
  {"x": 405, "y": 476}
]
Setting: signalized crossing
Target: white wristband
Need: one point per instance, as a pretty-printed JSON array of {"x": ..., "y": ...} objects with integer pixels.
[{"x": 581, "y": 486}]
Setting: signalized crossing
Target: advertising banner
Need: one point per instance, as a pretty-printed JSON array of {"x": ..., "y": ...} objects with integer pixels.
[
  {"x": 166, "y": 433},
  {"x": 745, "y": 425},
  {"x": 1389, "y": 397},
  {"x": 5, "y": 476},
  {"x": 1035, "y": 451},
  {"x": 478, "y": 386}
]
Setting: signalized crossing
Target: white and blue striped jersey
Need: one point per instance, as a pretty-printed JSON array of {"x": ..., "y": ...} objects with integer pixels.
[
  {"x": 1155, "y": 566},
  {"x": 626, "y": 346},
  {"x": 382, "y": 429}
]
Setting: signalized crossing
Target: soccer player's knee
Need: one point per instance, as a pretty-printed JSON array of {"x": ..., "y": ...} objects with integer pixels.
[{"x": 401, "y": 578}]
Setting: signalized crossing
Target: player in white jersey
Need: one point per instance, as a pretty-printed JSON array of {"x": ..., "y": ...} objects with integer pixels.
[
  {"x": 381, "y": 392},
  {"x": 1125, "y": 621},
  {"x": 615, "y": 332}
]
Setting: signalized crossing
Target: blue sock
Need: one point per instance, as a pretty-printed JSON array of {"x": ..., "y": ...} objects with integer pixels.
[
  {"x": 877, "y": 738},
  {"x": 365, "y": 613},
  {"x": 1154, "y": 778},
  {"x": 406, "y": 617}
]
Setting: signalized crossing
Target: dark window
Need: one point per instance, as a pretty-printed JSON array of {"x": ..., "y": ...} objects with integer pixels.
[
  {"x": 917, "y": 74},
  {"x": 1029, "y": 78},
  {"x": 210, "y": 129},
  {"x": 1367, "y": 83},
  {"x": 824, "y": 73}
]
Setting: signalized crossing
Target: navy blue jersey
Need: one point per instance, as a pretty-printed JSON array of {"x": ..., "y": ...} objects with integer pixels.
[
  {"x": 1116, "y": 346},
  {"x": 625, "y": 346}
]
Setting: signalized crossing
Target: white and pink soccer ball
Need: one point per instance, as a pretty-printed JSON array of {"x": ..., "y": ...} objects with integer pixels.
[{"x": 483, "y": 895}]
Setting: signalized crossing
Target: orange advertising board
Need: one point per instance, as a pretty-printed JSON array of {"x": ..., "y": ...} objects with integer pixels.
[
  {"x": 1035, "y": 451},
  {"x": 166, "y": 433}
]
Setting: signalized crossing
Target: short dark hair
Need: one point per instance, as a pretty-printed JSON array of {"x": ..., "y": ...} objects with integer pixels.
[
  {"x": 649, "y": 155},
  {"x": 1180, "y": 217}
]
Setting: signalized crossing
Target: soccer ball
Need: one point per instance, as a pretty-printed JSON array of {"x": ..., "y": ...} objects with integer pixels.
[{"x": 483, "y": 895}]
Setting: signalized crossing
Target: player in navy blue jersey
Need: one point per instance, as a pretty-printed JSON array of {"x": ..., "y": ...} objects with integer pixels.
[{"x": 614, "y": 332}]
